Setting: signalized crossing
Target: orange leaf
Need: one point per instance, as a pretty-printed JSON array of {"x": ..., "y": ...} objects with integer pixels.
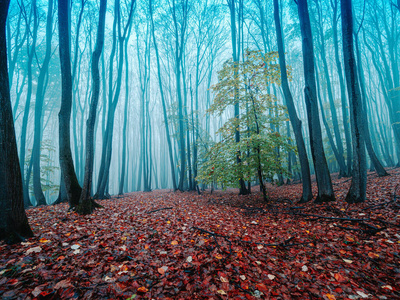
[
  {"x": 373, "y": 255},
  {"x": 340, "y": 278},
  {"x": 142, "y": 289},
  {"x": 330, "y": 296},
  {"x": 174, "y": 243}
]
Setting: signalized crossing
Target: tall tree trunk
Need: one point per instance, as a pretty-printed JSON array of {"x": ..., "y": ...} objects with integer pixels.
[
  {"x": 294, "y": 120},
  {"x": 85, "y": 202},
  {"x": 380, "y": 170},
  {"x": 64, "y": 117},
  {"x": 325, "y": 189},
  {"x": 343, "y": 98},
  {"x": 14, "y": 225},
  {"x": 235, "y": 56},
  {"x": 339, "y": 145},
  {"x": 357, "y": 192},
  {"x": 39, "y": 101},
  {"x": 124, "y": 135},
  {"x": 164, "y": 108},
  {"x": 31, "y": 54}
]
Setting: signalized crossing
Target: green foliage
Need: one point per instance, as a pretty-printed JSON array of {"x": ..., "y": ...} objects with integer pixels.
[
  {"x": 46, "y": 168},
  {"x": 259, "y": 116}
]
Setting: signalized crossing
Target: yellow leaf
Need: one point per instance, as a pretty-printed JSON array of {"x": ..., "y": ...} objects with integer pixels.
[
  {"x": 330, "y": 296},
  {"x": 217, "y": 256},
  {"x": 221, "y": 292},
  {"x": 174, "y": 243},
  {"x": 43, "y": 240}
]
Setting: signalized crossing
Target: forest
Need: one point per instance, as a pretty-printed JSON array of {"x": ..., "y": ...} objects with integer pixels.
[{"x": 199, "y": 149}]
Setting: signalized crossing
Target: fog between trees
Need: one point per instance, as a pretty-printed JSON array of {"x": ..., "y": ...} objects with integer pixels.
[{"x": 157, "y": 69}]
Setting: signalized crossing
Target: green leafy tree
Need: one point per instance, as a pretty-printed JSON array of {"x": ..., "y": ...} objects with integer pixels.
[{"x": 259, "y": 141}]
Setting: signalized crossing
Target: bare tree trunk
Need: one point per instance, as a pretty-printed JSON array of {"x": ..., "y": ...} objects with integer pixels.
[
  {"x": 294, "y": 120},
  {"x": 85, "y": 202},
  {"x": 342, "y": 87},
  {"x": 124, "y": 135},
  {"x": 171, "y": 159},
  {"x": 235, "y": 55},
  {"x": 380, "y": 170},
  {"x": 14, "y": 225},
  {"x": 325, "y": 189},
  {"x": 357, "y": 192},
  {"x": 66, "y": 163},
  {"x": 39, "y": 101}
]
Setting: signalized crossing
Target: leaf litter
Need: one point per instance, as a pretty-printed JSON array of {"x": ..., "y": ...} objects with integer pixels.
[{"x": 212, "y": 246}]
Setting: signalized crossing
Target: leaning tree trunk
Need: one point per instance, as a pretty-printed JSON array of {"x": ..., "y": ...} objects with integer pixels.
[
  {"x": 14, "y": 225},
  {"x": 324, "y": 183},
  {"x": 357, "y": 192},
  {"x": 296, "y": 123},
  {"x": 380, "y": 170},
  {"x": 64, "y": 117},
  {"x": 85, "y": 202}
]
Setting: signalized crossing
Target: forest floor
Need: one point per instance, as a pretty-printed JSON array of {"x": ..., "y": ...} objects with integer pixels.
[{"x": 165, "y": 245}]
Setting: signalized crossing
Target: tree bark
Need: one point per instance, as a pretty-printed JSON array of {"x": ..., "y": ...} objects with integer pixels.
[
  {"x": 235, "y": 56},
  {"x": 14, "y": 226},
  {"x": 294, "y": 120},
  {"x": 357, "y": 192},
  {"x": 324, "y": 183},
  {"x": 39, "y": 102},
  {"x": 85, "y": 202},
  {"x": 170, "y": 151},
  {"x": 64, "y": 117}
]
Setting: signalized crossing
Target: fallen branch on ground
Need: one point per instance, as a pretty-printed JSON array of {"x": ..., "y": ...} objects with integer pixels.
[{"x": 164, "y": 208}]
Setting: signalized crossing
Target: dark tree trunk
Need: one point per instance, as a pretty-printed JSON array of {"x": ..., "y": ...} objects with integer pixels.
[
  {"x": 30, "y": 53},
  {"x": 85, "y": 201},
  {"x": 14, "y": 225},
  {"x": 325, "y": 189},
  {"x": 62, "y": 193},
  {"x": 64, "y": 117},
  {"x": 39, "y": 102},
  {"x": 294, "y": 120},
  {"x": 357, "y": 192}
]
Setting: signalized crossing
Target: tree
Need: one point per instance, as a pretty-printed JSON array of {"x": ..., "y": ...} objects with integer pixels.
[
  {"x": 294, "y": 120},
  {"x": 164, "y": 107},
  {"x": 254, "y": 74},
  {"x": 103, "y": 179},
  {"x": 235, "y": 56},
  {"x": 39, "y": 101},
  {"x": 85, "y": 202},
  {"x": 14, "y": 225},
  {"x": 324, "y": 183},
  {"x": 64, "y": 117},
  {"x": 358, "y": 188}
]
